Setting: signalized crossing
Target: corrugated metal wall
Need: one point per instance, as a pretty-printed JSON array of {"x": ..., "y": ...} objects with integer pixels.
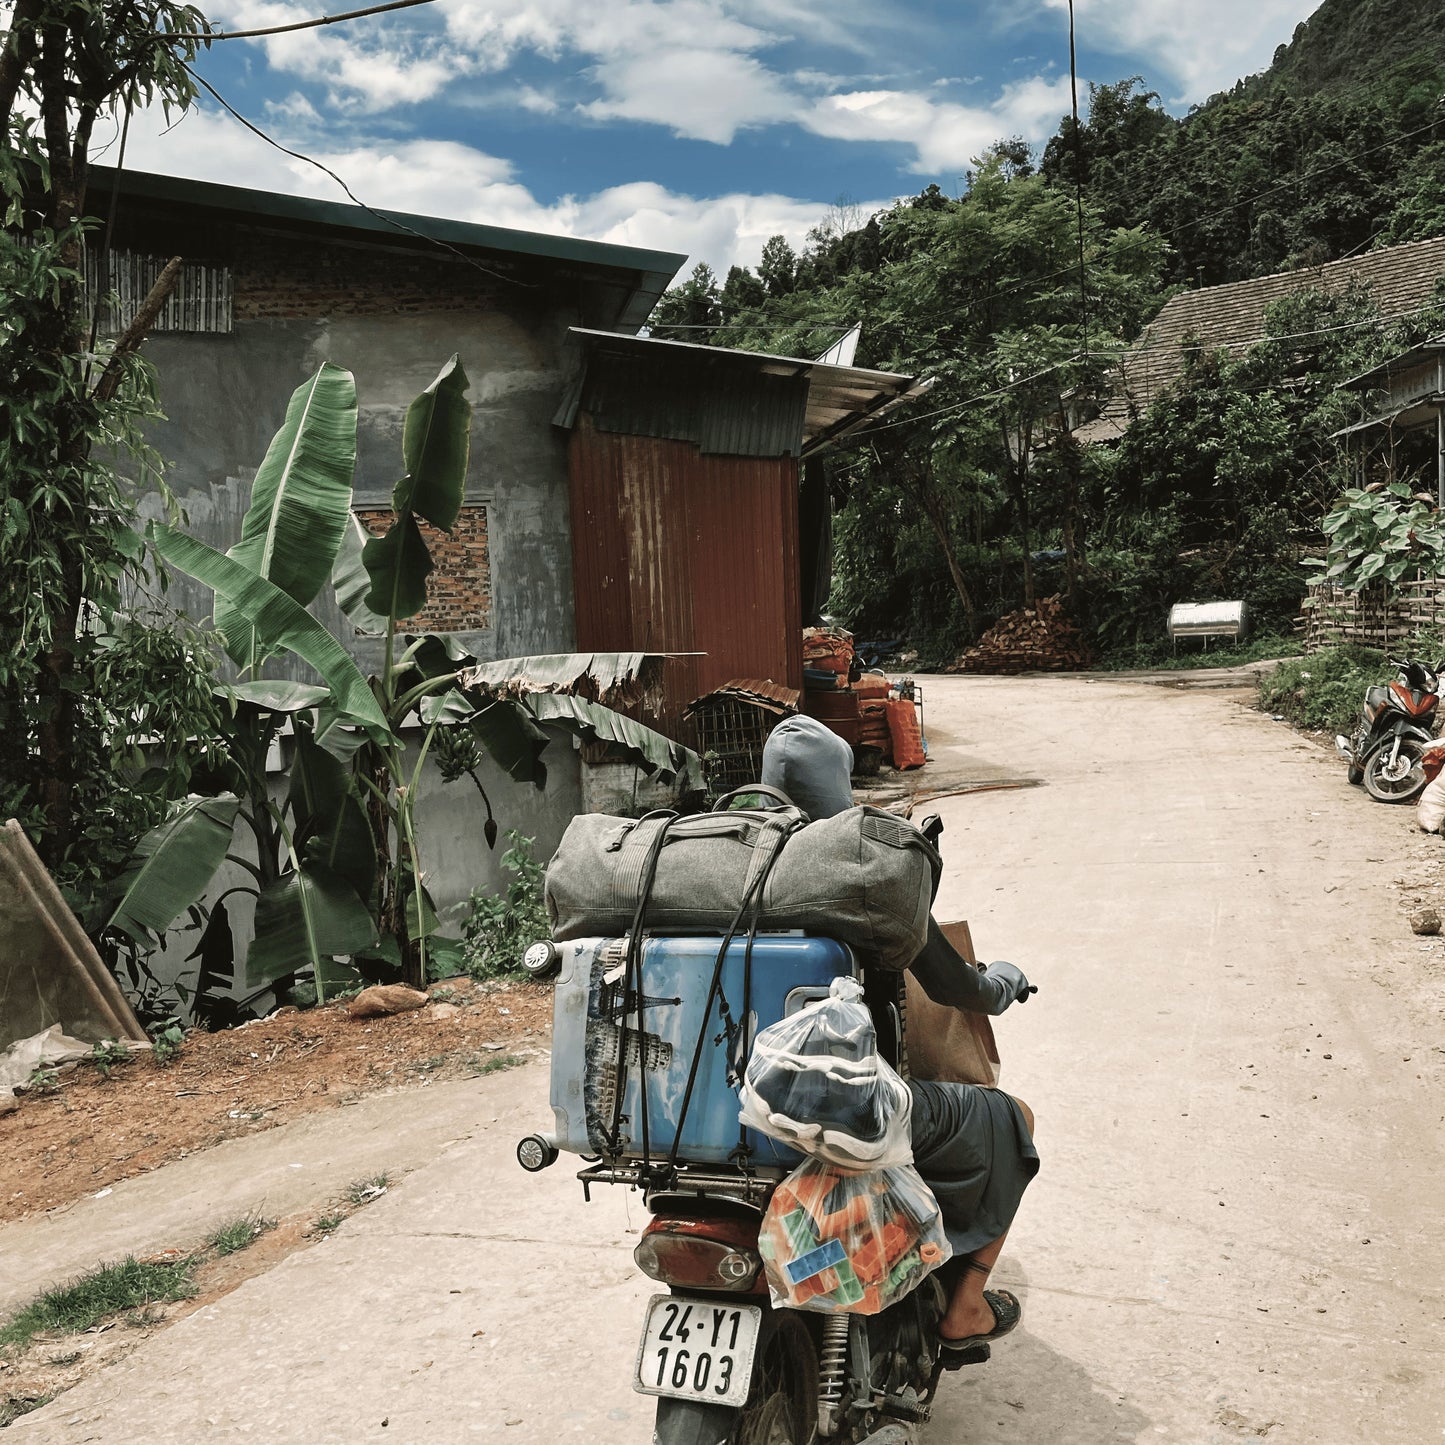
[{"x": 674, "y": 551}]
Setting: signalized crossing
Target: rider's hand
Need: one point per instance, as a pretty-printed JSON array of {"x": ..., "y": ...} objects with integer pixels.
[{"x": 1017, "y": 988}]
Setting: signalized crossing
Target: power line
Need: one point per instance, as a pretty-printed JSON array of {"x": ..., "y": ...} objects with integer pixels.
[
  {"x": 209, "y": 35},
  {"x": 383, "y": 216}
]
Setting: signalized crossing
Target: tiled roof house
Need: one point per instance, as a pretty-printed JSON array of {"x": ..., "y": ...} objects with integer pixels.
[{"x": 1401, "y": 279}]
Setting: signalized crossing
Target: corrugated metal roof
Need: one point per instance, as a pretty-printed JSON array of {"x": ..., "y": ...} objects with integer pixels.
[{"x": 728, "y": 402}]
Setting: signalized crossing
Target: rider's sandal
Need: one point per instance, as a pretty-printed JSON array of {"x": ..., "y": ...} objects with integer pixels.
[{"x": 1007, "y": 1312}]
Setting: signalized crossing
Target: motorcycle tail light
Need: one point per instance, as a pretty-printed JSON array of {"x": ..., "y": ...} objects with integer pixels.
[{"x": 719, "y": 1254}]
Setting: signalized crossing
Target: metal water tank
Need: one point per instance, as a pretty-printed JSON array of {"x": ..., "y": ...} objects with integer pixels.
[{"x": 1207, "y": 619}]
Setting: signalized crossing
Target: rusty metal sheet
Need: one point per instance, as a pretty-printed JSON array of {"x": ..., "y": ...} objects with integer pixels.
[{"x": 678, "y": 552}]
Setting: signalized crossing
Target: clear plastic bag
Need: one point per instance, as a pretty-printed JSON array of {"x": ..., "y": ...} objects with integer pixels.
[
  {"x": 835, "y": 1242},
  {"x": 815, "y": 1080}
]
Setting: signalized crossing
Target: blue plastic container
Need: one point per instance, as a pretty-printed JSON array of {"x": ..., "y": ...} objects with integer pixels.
[{"x": 788, "y": 971}]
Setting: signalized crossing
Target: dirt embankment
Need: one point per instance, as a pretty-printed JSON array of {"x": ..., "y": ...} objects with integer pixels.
[{"x": 91, "y": 1131}]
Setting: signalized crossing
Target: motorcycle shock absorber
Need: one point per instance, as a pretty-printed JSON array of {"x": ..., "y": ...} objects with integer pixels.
[{"x": 832, "y": 1373}]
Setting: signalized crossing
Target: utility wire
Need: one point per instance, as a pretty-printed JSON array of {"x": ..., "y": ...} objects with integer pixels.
[
  {"x": 209, "y": 35},
  {"x": 389, "y": 220}
]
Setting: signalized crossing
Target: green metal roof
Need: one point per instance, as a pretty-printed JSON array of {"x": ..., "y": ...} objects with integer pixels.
[{"x": 652, "y": 270}]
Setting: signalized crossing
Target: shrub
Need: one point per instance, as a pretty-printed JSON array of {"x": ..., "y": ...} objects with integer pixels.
[
  {"x": 501, "y": 926},
  {"x": 1323, "y": 691}
]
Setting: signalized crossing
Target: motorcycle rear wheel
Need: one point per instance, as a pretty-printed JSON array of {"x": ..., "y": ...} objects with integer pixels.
[{"x": 1399, "y": 780}]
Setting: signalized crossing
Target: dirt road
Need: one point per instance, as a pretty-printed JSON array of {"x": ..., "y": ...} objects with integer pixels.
[{"x": 1235, "y": 1060}]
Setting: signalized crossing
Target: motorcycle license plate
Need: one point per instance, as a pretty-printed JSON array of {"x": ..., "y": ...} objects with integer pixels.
[{"x": 695, "y": 1349}]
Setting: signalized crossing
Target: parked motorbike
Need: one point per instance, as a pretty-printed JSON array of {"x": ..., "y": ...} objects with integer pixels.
[
  {"x": 727, "y": 1367},
  {"x": 1396, "y": 724}
]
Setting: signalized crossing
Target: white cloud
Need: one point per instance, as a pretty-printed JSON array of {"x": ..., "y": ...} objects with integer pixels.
[
  {"x": 946, "y": 136},
  {"x": 369, "y": 66},
  {"x": 701, "y": 95},
  {"x": 1206, "y": 45},
  {"x": 444, "y": 178}
]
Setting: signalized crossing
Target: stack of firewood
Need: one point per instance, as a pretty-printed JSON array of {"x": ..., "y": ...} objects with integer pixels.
[{"x": 1035, "y": 639}]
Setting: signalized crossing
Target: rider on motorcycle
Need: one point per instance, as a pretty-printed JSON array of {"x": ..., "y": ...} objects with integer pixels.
[{"x": 972, "y": 1145}]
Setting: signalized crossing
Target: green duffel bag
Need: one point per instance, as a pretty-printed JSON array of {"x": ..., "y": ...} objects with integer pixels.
[{"x": 864, "y": 877}]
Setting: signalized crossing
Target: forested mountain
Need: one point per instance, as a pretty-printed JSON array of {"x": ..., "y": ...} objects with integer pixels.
[
  {"x": 1347, "y": 44},
  {"x": 979, "y": 500}
]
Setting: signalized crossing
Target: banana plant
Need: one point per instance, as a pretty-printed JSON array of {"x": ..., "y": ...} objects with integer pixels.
[{"x": 336, "y": 872}]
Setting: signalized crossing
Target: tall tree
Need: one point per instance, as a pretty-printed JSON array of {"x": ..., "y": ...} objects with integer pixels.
[{"x": 66, "y": 543}]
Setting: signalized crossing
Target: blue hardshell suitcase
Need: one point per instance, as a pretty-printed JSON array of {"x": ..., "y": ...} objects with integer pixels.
[{"x": 788, "y": 971}]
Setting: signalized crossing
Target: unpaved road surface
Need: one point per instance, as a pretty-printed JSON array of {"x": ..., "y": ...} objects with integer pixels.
[{"x": 1235, "y": 1059}]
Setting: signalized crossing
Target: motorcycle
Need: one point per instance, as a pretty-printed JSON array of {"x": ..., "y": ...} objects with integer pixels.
[
  {"x": 1396, "y": 725},
  {"x": 725, "y": 1365}
]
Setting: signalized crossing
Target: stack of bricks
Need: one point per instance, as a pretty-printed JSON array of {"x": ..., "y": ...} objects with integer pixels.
[{"x": 459, "y": 591}]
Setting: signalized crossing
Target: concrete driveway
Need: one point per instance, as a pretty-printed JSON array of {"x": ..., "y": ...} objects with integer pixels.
[{"x": 1235, "y": 1063}]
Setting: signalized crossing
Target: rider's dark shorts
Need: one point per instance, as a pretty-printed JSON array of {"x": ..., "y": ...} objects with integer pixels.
[{"x": 974, "y": 1150}]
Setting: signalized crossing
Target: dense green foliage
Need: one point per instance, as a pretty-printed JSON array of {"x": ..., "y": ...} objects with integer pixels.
[
  {"x": 82, "y": 683},
  {"x": 1017, "y": 297},
  {"x": 1323, "y": 691}
]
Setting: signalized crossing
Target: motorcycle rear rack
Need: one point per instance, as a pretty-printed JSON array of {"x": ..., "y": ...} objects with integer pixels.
[{"x": 753, "y": 1189}]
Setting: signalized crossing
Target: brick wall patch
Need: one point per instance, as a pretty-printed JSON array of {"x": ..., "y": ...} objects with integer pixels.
[{"x": 459, "y": 590}]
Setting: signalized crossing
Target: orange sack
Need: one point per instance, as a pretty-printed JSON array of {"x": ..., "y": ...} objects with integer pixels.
[{"x": 906, "y": 734}]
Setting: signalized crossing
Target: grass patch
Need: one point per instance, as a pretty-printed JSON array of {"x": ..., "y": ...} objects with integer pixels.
[
  {"x": 239, "y": 1234},
  {"x": 328, "y": 1223},
  {"x": 85, "y": 1301},
  {"x": 1323, "y": 692},
  {"x": 493, "y": 1063},
  {"x": 1190, "y": 653},
  {"x": 365, "y": 1190},
  {"x": 12, "y": 1407}
]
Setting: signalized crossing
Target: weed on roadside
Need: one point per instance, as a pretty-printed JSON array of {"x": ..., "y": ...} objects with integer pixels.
[
  {"x": 239, "y": 1234},
  {"x": 110, "y": 1289},
  {"x": 365, "y": 1190},
  {"x": 68, "y": 1358},
  {"x": 44, "y": 1079},
  {"x": 492, "y": 1063},
  {"x": 106, "y": 1057},
  {"x": 329, "y": 1223},
  {"x": 166, "y": 1043}
]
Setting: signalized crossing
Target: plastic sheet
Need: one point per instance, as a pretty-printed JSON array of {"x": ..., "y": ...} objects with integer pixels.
[
  {"x": 838, "y": 1242},
  {"x": 815, "y": 1080}
]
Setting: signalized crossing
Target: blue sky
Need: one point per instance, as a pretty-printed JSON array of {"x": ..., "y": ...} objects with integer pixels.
[{"x": 701, "y": 126}]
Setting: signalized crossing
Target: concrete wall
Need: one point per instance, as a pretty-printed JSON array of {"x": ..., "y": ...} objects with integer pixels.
[{"x": 225, "y": 396}]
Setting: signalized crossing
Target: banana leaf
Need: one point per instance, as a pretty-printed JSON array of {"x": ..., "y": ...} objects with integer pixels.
[
  {"x": 331, "y": 826},
  {"x": 172, "y": 866},
  {"x": 300, "y": 504},
  {"x": 352, "y": 581},
  {"x": 279, "y": 622},
  {"x": 398, "y": 565},
  {"x": 276, "y": 694},
  {"x": 435, "y": 442},
  {"x": 303, "y": 919},
  {"x": 655, "y": 754},
  {"x": 615, "y": 679}
]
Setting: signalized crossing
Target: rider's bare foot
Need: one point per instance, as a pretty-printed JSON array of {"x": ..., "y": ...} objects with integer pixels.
[{"x": 976, "y": 1318}]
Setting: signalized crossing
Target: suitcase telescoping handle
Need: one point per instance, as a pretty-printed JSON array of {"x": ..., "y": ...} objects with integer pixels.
[{"x": 753, "y": 790}]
